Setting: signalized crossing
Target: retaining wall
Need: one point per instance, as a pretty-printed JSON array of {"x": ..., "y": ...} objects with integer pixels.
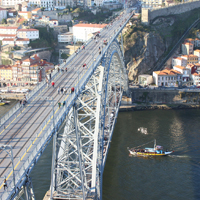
[{"x": 149, "y": 15}]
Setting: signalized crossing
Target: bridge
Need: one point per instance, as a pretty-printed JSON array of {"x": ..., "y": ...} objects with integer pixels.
[{"x": 88, "y": 114}]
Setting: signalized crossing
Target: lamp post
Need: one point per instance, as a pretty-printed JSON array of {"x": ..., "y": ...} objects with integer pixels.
[{"x": 6, "y": 148}]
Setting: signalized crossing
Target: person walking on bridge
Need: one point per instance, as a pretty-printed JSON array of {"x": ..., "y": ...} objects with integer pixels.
[
  {"x": 5, "y": 184},
  {"x": 53, "y": 84}
]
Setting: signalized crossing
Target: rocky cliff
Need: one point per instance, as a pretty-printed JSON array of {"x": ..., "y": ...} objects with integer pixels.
[
  {"x": 143, "y": 55},
  {"x": 146, "y": 46}
]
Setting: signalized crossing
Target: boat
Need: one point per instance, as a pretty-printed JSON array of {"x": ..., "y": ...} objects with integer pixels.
[{"x": 157, "y": 150}]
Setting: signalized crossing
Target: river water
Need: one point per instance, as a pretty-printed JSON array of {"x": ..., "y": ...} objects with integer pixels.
[{"x": 174, "y": 177}]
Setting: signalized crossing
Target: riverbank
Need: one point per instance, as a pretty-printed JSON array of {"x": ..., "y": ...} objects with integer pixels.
[{"x": 138, "y": 107}]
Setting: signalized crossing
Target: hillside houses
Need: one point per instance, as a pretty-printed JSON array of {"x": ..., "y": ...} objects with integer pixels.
[
  {"x": 31, "y": 69},
  {"x": 185, "y": 68}
]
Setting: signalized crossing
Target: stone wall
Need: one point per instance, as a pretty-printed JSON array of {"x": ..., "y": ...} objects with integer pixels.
[
  {"x": 149, "y": 15},
  {"x": 164, "y": 96}
]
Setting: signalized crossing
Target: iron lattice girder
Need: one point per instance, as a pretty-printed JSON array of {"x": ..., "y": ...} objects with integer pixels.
[{"x": 81, "y": 157}]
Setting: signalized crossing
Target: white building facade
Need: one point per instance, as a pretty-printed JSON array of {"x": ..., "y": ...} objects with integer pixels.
[
  {"x": 83, "y": 32},
  {"x": 65, "y": 37},
  {"x": 31, "y": 34},
  {"x": 3, "y": 14},
  {"x": 167, "y": 77}
]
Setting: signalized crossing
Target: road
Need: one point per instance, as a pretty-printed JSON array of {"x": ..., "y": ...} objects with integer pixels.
[{"x": 24, "y": 130}]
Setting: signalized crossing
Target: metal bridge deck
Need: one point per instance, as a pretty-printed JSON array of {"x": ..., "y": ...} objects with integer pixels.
[{"x": 26, "y": 130}]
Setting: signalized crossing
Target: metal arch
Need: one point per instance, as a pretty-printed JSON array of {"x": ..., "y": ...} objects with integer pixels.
[
  {"x": 115, "y": 49},
  {"x": 84, "y": 145}
]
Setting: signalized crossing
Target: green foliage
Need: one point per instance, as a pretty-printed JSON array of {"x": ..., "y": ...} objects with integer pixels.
[
  {"x": 64, "y": 56},
  {"x": 87, "y": 15},
  {"x": 42, "y": 8},
  {"x": 5, "y": 62},
  {"x": 4, "y": 21},
  {"x": 46, "y": 39}
]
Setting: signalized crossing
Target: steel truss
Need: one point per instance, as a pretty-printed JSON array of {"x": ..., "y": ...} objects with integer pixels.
[{"x": 83, "y": 146}]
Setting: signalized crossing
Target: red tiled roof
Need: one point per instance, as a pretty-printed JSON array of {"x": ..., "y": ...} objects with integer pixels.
[
  {"x": 8, "y": 39},
  {"x": 22, "y": 39},
  {"x": 167, "y": 72},
  {"x": 7, "y": 35},
  {"x": 7, "y": 67}
]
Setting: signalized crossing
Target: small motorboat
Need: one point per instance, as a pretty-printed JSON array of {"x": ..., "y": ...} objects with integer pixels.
[{"x": 156, "y": 151}]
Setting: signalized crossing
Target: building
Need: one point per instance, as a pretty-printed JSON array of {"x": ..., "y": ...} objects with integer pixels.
[
  {"x": 167, "y": 77},
  {"x": 31, "y": 34},
  {"x": 189, "y": 40},
  {"x": 8, "y": 3},
  {"x": 197, "y": 53},
  {"x": 191, "y": 59},
  {"x": 65, "y": 37},
  {"x": 25, "y": 14},
  {"x": 63, "y": 4},
  {"x": 192, "y": 67},
  {"x": 195, "y": 78},
  {"x": 152, "y": 3},
  {"x": 46, "y": 20},
  {"x": 8, "y": 30},
  {"x": 197, "y": 42},
  {"x": 145, "y": 79},
  {"x": 5, "y": 72},
  {"x": 3, "y": 14},
  {"x": 184, "y": 71},
  {"x": 53, "y": 22},
  {"x": 3, "y": 36},
  {"x": 36, "y": 11},
  {"x": 179, "y": 61},
  {"x": 83, "y": 32},
  {"x": 47, "y": 4},
  {"x": 187, "y": 48}
]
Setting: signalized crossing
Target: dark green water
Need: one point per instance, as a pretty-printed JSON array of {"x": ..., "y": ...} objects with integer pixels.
[{"x": 176, "y": 177}]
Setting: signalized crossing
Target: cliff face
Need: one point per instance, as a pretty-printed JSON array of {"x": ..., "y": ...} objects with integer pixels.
[{"x": 145, "y": 52}]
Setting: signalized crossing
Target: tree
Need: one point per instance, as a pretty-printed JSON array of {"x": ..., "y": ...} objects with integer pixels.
[
  {"x": 42, "y": 8},
  {"x": 64, "y": 56},
  {"x": 4, "y": 21}
]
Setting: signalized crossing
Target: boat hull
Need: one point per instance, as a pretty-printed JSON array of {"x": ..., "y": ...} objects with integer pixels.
[
  {"x": 1, "y": 103},
  {"x": 150, "y": 153}
]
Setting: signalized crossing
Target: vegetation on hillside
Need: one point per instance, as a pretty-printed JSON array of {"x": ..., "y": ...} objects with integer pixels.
[
  {"x": 46, "y": 39},
  {"x": 87, "y": 15}
]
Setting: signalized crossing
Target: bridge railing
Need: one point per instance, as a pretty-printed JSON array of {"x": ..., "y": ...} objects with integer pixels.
[{"x": 36, "y": 146}]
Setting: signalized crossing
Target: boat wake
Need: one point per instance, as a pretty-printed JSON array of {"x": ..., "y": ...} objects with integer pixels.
[{"x": 179, "y": 156}]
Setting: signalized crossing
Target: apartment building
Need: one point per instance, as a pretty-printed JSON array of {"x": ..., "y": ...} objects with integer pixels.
[
  {"x": 16, "y": 41},
  {"x": 5, "y": 72},
  {"x": 167, "y": 77},
  {"x": 83, "y": 32},
  {"x": 31, "y": 34},
  {"x": 191, "y": 59},
  {"x": 187, "y": 48},
  {"x": 179, "y": 61},
  {"x": 65, "y": 37},
  {"x": 3, "y": 14},
  {"x": 25, "y": 14},
  {"x": 184, "y": 71}
]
